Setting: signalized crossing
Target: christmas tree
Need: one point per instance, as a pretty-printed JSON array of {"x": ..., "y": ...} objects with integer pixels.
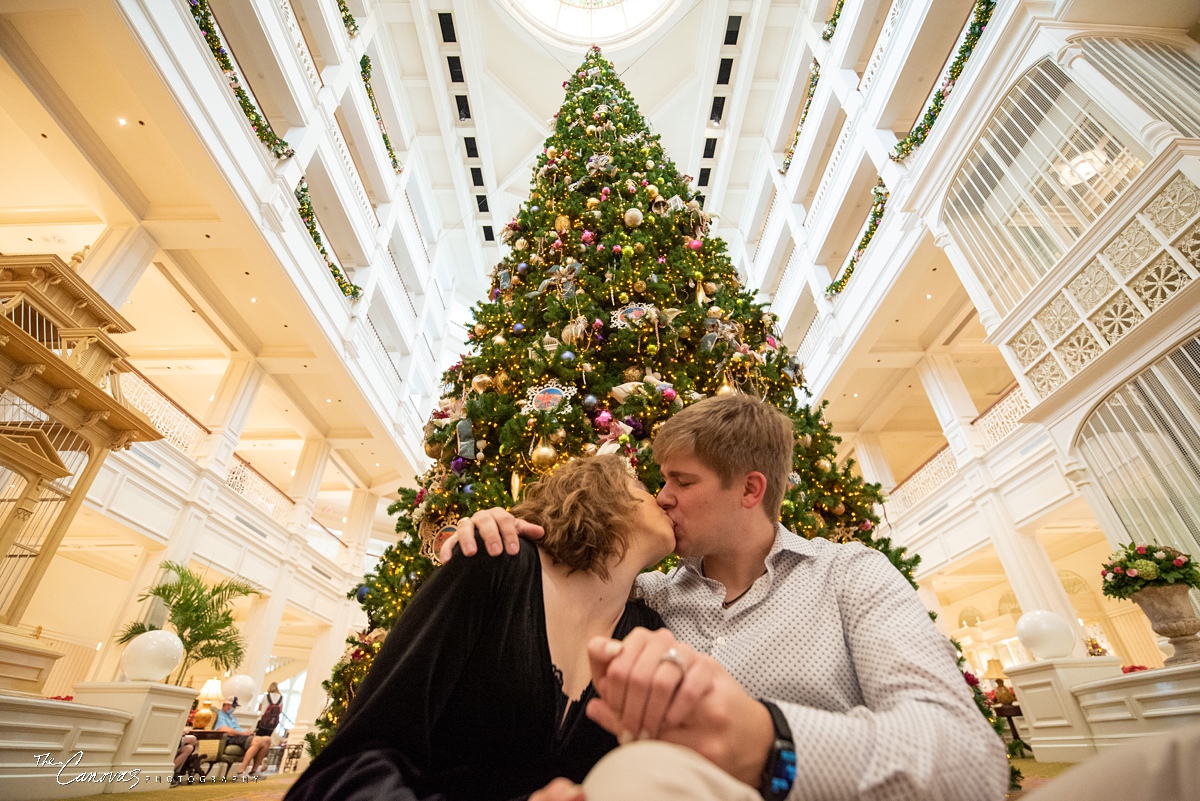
[{"x": 612, "y": 311}]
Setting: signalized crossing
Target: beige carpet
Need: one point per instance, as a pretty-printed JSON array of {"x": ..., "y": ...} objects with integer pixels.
[{"x": 1037, "y": 774}]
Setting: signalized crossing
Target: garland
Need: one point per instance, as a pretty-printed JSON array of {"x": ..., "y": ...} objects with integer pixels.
[
  {"x": 878, "y": 206},
  {"x": 262, "y": 129},
  {"x": 814, "y": 75},
  {"x": 350, "y": 290},
  {"x": 365, "y": 63},
  {"x": 347, "y": 18},
  {"x": 979, "y": 20},
  {"x": 831, "y": 24}
]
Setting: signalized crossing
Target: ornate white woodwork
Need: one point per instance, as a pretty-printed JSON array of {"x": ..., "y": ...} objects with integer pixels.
[
  {"x": 251, "y": 485},
  {"x": 176, "y": 425},
  {"x": 934, "y": 473},
  {"x": 1003, "y": 418}
]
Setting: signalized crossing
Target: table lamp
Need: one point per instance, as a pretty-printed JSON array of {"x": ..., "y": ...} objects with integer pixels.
[
  {"x": 995, "y": 672},
  {"x": 210, "y": 694}
]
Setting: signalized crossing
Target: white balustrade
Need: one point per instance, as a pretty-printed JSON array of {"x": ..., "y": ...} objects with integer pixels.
[
  {"x": 352, "y": 171},
  {"x": 931, "y": 475},
  {"x": 289, "y": 22},
  {"x": 1003, "y": 418},
  {"x": 808, "y": 345},
  {"x": 881, "y": 43},
  {"x": 176, "y": 425},
  {"x": 384, "y": 356},
  {"x": 827, "y": 178},
  {"x": 251, "y": 485}
]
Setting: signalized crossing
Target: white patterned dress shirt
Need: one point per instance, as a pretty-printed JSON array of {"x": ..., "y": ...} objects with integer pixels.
[{"x": 838, "y": 640}]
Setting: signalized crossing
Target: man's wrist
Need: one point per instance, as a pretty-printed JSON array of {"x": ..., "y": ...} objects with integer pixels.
[
  {"x": 761, "y": 739},
  {"x": 779, "y": 771}
]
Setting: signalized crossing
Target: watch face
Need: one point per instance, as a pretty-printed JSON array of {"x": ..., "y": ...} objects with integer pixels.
[{"x": 783, "y": 770}]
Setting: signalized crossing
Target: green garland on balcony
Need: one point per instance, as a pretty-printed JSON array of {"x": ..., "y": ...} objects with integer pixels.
[
  {"x": 878, "y": 205},
  {"x": 347, "y": 18},
  {"x": 831, "y": 23},
  {"x": 262, "y": 129},
  {"x": 365, "y": 63},
  {"x": 979, "y": 20},
  {"x": 352, "y": 291},
  {"x": 814, "y": 75}
]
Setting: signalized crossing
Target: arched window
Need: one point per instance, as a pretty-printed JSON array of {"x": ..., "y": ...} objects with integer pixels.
[
  {"x": 969, "y": 616},
  {"x": 1142, "y": 444},
  {"x": 1164, "y": 79},
  {"x": 1048, "y": 164},
  {"x": 1008, "y": 605}
]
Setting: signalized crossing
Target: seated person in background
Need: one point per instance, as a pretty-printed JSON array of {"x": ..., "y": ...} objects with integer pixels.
[
  {"x": 252, "y": 745},
  {"x": 187, "y": 747},
  {"x": 480, "y": 689}
]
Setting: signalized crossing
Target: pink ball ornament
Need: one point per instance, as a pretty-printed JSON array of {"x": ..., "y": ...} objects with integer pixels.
[
  {"x": 617, "y": 249},
  {"x": 597, "y": 324},
  {"x": 603, "y": 420},
  {"x": 662, "y": 259},
  {"x": 695, "y": 244},
  {"x": 668, "y": 394}
]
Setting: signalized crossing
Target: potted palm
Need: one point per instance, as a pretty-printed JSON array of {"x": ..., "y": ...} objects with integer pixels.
[
  {"x": 1157, "y": 578},
  {"x": 200, "y": 614}
]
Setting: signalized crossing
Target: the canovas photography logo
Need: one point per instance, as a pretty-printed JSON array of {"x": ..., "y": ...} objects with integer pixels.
[{"x": 68, "y": 771}]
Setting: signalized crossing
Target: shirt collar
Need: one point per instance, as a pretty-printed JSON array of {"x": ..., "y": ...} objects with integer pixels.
[{"x": 785, "y": 542}]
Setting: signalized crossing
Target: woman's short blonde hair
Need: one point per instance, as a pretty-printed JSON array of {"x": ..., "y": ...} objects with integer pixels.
[{"x": 587, "y": 510}]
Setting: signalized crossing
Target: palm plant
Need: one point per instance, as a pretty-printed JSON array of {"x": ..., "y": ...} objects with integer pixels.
[{"x": 200, "y": 616}]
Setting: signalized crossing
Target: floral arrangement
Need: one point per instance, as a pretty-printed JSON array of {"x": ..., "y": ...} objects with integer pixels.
[
  {"x": 814, "y": 75},
  {"x": 831, "y": 24},
  {"x": 1127, "y": 669},
  {"x": 365, "y": 64},
  {"x": 979, "y": 20},
  {"x": 309, "y": 217},
  {"x": 1136, "y": 567},
  {"x": 879, "y": 198},
  {"x": 61, "y": 698},
  {"x": 348, "y": 18},
  {"x": 262, "y": 129},
  {"x": 1094, "y": 648}
]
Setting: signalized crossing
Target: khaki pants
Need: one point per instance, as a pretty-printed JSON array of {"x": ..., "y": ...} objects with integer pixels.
[
  {"x": 1160, "y": 768},
  {"x": 655, "y": 771}
]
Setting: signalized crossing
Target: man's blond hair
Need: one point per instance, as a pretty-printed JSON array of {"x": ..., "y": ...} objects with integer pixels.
[{"x": 734, "y": 435}]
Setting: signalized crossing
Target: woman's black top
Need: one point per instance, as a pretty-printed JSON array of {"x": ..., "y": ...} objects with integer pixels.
[{"x": 463, "y": 701}]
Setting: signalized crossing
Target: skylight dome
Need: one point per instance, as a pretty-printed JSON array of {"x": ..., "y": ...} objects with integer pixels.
[{"x": 575, "y": 23}]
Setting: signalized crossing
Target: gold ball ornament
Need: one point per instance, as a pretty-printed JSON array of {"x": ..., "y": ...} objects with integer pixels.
[
  {"x": 638, "y": 247},
  {"x": 726, "y": 388},
  {"x": 544, "y": 455},
  {"x": 823, "y": 464},
  {"x": 652, "y": 191},
  {"x": 503, "y": 381},
  {"x": 715, "y": 311},
  {"x": 433, "y": 450},
  {"x": 840, "y": 509},
  {"x": 499, "y": 340},
  {"x": 623, "y": 297},
  {"x": 552, "y": 152},
  {"x": 633, "y": 217},
  {"x": 520, "y": 244},
  {"x": 590, "y": 449},
  {"x": 559, "y": 436},
  {"x": 481, "y": 383},
  {"x": 804, "y": 440},
  {"x": 639, "y": 285},
  {"x": 685, "y": 331},
  {"x": 632, "y": 373},
  {"x": 710, "y": 287},
  {"x": 593, "y": 202},
  {"x": 820, "y": 520},
  {"x": 480, "y": 329}
]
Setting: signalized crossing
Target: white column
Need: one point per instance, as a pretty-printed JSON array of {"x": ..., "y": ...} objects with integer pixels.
[
  {"x": 989, "y": 315},
  {"x": 930, "y": 599},
  {"x": 306, "y": 484},
  {"x": 872, "y": 462},
  {"x": 262, "y": 625},
  {"x": 117, "y": 261},
  {"x": 1110, "y": 523},
  {"x": 952, "y": 404},
  {"x": 1030, "y": 572},
  {"x": 357, "y": 531},
  {"x": 326, "y": 652},
  {"x": 226, "y": 416}
]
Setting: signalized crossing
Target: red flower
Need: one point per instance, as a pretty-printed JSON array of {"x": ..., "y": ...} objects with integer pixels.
[
  {"x": 1141, "y": 549},
  {"x": 1103, "y": 572},
  {"x": 1118, "y": 570},
  {"x": 1179, "y": 561},
  {"x": 970, "y": 677}
]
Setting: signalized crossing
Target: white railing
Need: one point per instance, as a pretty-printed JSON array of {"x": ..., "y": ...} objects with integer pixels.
[
  {"x": 254, "y": 487},
  {"x": 827, "y": 178},
  {"x": 928, "y": 477},
  {"x": 808, "y": 345},
  {"x": 383, "y": 353},
  {"x": 403, "y": 285},
  {"x": 176, "y": 425},
  {"x": 881, "y": 45},
  {"x": 1003, "y": 417},
  {"x": 289, "y": 21},
  {"x": 324, "y": 541},
  {"x": 360, "y": 191},
  {"x": 762, "y": 232}
]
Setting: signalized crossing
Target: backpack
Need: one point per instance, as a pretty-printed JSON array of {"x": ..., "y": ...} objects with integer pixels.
[{"x": 270, "y": 717}]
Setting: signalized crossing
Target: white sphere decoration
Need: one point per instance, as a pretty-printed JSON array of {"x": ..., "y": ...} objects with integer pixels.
[
  {"x": 633, "y": 217},
  {"x": 152, "y": 656},
  {"x": 1045, "y": 634},
  {"x": 241, "y": 686}
]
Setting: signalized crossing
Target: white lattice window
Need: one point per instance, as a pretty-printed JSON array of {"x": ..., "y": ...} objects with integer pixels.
[
  {"x": 1048, "y": 164},
  {"x": 1142, "y": 444},
  {"x": 1164, "y": 79}
]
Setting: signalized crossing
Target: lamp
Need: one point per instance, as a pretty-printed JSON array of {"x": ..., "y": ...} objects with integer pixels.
[
  {"x": 210, "y": 694},
  {"x": 1084, "y": 167},
  {"x": 995, "y": 672}
]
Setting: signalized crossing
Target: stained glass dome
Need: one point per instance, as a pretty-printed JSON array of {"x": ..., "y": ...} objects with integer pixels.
[{"x": 573, "y": 23}]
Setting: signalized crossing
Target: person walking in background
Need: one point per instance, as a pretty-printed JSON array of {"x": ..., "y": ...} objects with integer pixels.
[{"x": 270, "y": 708}]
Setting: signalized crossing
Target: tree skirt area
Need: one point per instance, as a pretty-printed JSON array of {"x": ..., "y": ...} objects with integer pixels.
[{"x": 270, "y": 788}]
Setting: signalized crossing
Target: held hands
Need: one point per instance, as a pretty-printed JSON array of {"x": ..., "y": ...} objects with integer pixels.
[
  {"x": 652, "y": 686},
  {"x": 559, "y": 790},
  {"x": 499, "y": 530}
]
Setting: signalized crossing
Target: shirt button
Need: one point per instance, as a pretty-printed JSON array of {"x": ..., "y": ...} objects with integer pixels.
[{"x": 720, "y": 641}]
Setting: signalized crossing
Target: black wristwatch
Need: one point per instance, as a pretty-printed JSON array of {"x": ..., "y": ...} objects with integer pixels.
[{"x": 779, "y": 774}]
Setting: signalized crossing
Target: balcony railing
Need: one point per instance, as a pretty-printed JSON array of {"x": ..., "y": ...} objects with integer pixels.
[
  {"x": 258, "y": 490},
  {"x": 940, "y": 468},
  {"x": 1003, "y": 417},
  {"x": 885, "y": 35},
  {"x": 808, "y": 345},
  {"x": 177, "y": 426},
  {"x": 324, "y": 541}
]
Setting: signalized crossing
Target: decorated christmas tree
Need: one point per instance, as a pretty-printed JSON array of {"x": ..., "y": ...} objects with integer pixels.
[{"x": 613, "y": 310}]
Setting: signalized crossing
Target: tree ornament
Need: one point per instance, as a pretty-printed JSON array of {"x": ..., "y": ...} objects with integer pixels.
[
  {"x": 481, "y": 383},
  {"x": 522, "y": 268},
  {"x": 558, "y": 436},
  {"x": 586, "y": 367},
  {"x": 715, "y": 312},
  {"x": 518, "y": 328},
  {"x": 710, "y": 287},
  {"x": 589, "y": 403},
  {"x": 499, "y": 340},
  {"x": 652, "y": 191},
  {"x": 433, "y": 449},
  {"x": 652, "y": 349},
  {"x": 503, "y": 382},
  {"x": 567, "y": 356},
  {"x": 638, "y": 247},
  {"x": 685, "y": 331},
  {"x": 804, "y": 440},
  {"x": 820, "y": 521},
  {"x": 639, "y": 286},
  {"x": 593, "y": 202},
  {"x": 562, "y": 223},
  {"x": 590, "y": 449},
  {"x": 632, "y": 373},
  {"x": 530, "y": 423},
  {"x": 633, "y": 217},
  {"x": 823, "y": 464},
  {"x": 727, "y": 387},
  {"x": 543, "y": 455},
  {"x": 623, "y": 297},
  {"x": 840, "y": 509},
  {"x": 480, "y": 329},
  {"x": 515, "y": 486}
]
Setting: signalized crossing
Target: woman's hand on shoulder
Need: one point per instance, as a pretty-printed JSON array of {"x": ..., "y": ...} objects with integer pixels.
[
  {"x": 559, "y": 790},
  {"x": 498, "y": 529}
]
